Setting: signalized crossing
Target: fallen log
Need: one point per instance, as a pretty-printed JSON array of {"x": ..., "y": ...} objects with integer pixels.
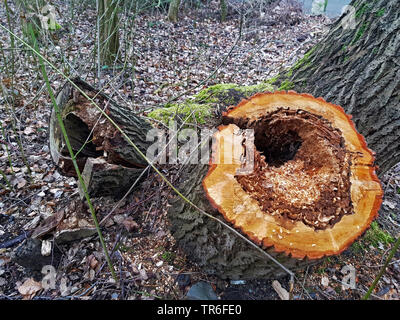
[
  {"x": 312, "y": 191},
  {"x": 109, "y": 165}
]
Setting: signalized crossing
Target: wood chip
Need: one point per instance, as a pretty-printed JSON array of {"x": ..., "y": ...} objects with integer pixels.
[{"x": 283, "y": 294}]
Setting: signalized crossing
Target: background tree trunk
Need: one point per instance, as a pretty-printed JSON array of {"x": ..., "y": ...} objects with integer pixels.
[
  {"x": 108, "y": 31},
  {"x": 224, "y": 10},
  {"x": 359, "y": 69},
  {"x": 173, "y": 10}
]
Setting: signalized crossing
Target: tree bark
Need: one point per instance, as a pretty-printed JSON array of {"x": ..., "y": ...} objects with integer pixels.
[
  {"x": 108, "y": 31},
  {"x": 359, "y": 69},
  {"x": 173, "y": 10},
  {"x": 213, "y": 247},
  {"x": 224, "y": 10}
]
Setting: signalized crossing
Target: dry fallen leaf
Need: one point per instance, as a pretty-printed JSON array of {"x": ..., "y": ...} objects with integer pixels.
[
  {"x": 49, "y": 224},
  {"x": 21, "y": 183},
  {"x": 143, "y": 274},
  {"x": 93, "y": 263},
  {"x": 29, "y": 288},
  {"x": 130, "y": 224},
  {"x": 29, "y": 130},
  {"x": 390, "y": 294}
]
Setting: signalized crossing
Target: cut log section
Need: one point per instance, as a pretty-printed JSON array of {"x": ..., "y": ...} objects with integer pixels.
[
  {"x": 92, "y": 136},
  {"x": 312, "y": 190}
]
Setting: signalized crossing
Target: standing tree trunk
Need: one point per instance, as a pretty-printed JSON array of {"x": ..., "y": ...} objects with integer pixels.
[
  {"x": 224, "y": 10},
  {"x": 359, "y": 69},
  {"x": 173, "y": 10},
  {"x": 108, "y": 24}
]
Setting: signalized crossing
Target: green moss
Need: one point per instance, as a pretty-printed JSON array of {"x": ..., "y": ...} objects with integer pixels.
[
  {"x": 374, "y": 236},
  {"x": 229, "y": 93},
  {"x": 380, "y": 12},
  {"x": 363, "y": 9},
  {"x": 360, "y": 32},
  {"x": 357, "y": 247},
  {"x": 272, "y": 80},
  {"x": 305, "y": 61},
  {"x": 200, "y": 107},
  {"x": 168, "y": 256},
  {"x": 321, "y": 270},
  {"x": 197, "y": 113},
  {"x": 262, "y": 87},
  {"x": 286, "y": 85},
  {"x": 210, "y": 94}
]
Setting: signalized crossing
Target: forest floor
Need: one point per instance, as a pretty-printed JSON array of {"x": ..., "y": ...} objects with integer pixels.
[{"x": 164, "y": 60}]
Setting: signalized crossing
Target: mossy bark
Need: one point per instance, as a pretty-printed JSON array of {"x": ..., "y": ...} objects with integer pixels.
[
  {"x": 208, "y": 105},
  {"x": 359, "y": 69}
]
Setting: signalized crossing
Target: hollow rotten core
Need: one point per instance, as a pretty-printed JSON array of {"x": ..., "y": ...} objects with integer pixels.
[{"x": 301, "y": 168}]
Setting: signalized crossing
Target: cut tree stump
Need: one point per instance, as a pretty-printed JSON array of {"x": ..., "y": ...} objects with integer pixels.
[
  {"x": 313, "y": 190},
  {"x": 108, "y": 163}
]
